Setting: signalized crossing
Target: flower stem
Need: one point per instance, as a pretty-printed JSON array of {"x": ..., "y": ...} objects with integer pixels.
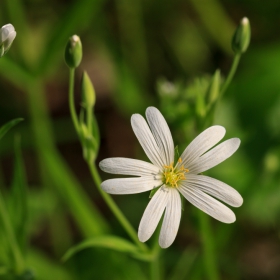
[
  {"x": 115, "y": 209},
  {"x": 18, "y": 258},
  {"x": 71, "y": 100},
  {"x": 155, "y": 263},
  {"x": 110, "y": 202},
  {"x": 209, "y": 253},
  {"x": 231, "y": 74}
]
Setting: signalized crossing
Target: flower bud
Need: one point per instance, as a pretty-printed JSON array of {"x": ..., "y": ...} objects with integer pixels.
[
  {"x": 7, "y": 36},
  {"x": 241, "y": 37},
  {"x": 73, "y": 52},
  {"x": 88, "y": 93}
]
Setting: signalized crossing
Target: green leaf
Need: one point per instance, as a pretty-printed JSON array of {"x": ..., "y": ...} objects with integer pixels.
[
  {"x": 6, "y": 127},
  {"x": 88, "y": 218},
  {"x": 184, "y": 264},
  {"x": 18, "y": 202},
  {"x": 106, "y": 241}
]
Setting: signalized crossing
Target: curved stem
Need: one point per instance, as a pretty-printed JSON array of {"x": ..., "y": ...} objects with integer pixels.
[
  {"x": 155, "y": 263},
  {"x": 115, "y": 209},
  {"x": 110, "y": 202},
  {"x": 71, "y": 100},
  {"x": 231, "y": 74},
  {"x": 209, "y": 253},
  {"x": 206, "y": 235}
]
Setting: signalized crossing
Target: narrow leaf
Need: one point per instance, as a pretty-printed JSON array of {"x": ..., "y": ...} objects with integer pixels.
[
  {"x": 6, "y": 127},
  {"x": 18, "y": 202},
  {"x": 105, "y": 241}
]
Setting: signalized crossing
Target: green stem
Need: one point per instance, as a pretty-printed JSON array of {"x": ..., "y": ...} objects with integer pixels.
[
  {"x": 115, "y": 209},
  {"x": 18, "y": 258},
  {"x": 209, "y": 253},
  {"x": 155, "y": 263},
  {"x": 231, "y": 74},
  {"x": 110, "y": 202},
  {"x": 71, "y": 100}
]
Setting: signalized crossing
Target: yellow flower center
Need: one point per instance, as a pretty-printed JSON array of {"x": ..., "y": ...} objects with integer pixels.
[{"x": 172, "y": 175}]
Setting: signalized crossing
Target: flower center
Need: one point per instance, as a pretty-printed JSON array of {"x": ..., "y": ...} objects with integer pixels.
[{"x": 172, "y": 175}]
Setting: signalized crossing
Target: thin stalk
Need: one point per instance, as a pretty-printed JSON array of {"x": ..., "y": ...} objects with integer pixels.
[
  {"x": 71, "y": 100},
  {"x": 155, "y": 263},
  {"x": 231, "y": 74},
  {"x": 209, "y": 253},
  {"x": 110, "y": 202},
  {"x": 115, "y": 209},
  {"x": 18, "y": 258}
]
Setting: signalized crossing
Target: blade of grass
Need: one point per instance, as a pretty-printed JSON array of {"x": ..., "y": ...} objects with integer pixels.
[{"x": 18, "y": 200}]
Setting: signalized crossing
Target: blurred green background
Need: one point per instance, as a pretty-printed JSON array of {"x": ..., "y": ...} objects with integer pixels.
[{"x": 130, "y": 50}]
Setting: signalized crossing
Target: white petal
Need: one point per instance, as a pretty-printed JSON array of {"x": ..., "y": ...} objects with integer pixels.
[
  {"x": 152, "y": 214},
  {"x": 202, "y": 143},
  {"x": 128, "y": 166},
  {"x": 171, "y": 219},
  {"x": 130, "y": 185},
  {"x": 214, "y": 156},
  {"x": 147, "y": 140},
  {"x": 207, "y": 204},
  {"x": 215, "y": 188},
  {"x": 161, "y": 133}
]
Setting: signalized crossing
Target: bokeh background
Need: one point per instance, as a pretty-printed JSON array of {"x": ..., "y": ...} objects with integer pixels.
[{"x": 135, "y": 52}]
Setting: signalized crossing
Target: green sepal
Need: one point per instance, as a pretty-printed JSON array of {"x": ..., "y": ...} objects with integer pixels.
[
  {"x": 153, "y": 191},
  {"x": 200, "y": 105},
  {"x": 88, "y": 92},
  {"x": 182, "y": 201},
  {"x": 90, "y": 139},
  {"x": 213, "y": 90},
  {"x": 242, "y": 36},
  {"x": 176, "y": 155},
  {"x": 73, "y": 52},
  {"x": 89, "y": 144}
]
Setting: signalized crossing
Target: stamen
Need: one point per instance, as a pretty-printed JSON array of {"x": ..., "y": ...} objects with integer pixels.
[{"x": 172, "y": 175}]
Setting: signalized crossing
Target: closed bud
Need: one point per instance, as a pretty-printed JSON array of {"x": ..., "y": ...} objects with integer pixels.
[
  {"x": 88, "y": 93},
  {"x": 241, "y": 37},
  {"x": 7, "y": 36},
  {"x": 73, "y": 52}
]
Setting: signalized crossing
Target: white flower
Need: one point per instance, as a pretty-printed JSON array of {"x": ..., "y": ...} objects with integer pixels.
[
  {"x": 172, "y": 178},
  {"x": 7, "y": 36}
]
